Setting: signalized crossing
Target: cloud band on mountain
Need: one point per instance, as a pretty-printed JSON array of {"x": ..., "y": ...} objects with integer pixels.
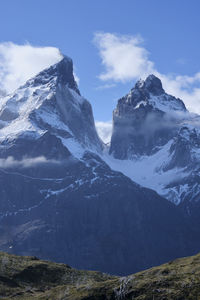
[{"x": 11, "y": 162}]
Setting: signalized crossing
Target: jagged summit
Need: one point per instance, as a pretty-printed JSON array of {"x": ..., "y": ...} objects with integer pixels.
[
  {"x": 152, "y": 84},
  {"x": 149, "y": 93},
  {"x": 61, "y": 73}
]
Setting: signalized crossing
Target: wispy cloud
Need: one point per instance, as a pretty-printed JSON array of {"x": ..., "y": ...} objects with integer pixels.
[
  {"x": 77, "y": 79},
  {"x": 186, "y": 88},
  {"x": 10, "y": 162},
  {"x": 125, "y": 58},
  {"x": 18, "y": 63},
  {"x": 104, "y": 130}
]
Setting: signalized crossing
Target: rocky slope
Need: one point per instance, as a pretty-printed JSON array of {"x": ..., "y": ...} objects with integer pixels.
[
  {"x": 61, "y": 201},
  {"x": 30, "y": 278}
]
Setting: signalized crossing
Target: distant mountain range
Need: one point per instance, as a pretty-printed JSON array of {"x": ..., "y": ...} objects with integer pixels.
[{"x": 67, "y": 197}]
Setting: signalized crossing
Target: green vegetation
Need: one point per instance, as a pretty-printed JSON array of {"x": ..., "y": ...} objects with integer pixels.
[{"x": 27, "y": 278}]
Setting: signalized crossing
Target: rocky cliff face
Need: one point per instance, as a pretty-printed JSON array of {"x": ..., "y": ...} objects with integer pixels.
[{"x": 60, "y": 200}]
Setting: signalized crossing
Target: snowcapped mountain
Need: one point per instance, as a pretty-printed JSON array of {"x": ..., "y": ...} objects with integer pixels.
[
  {"x": 60, "y": 199},
  {"x": 49, "y": 103},
  {"x": 158, "y": 141}
]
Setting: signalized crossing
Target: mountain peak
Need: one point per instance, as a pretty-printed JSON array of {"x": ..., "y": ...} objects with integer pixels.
[
  {"x": 149, "y": 93},
  {"x": 62, "y": 71},
  {"x": 152, "y": 84},
  {"x": 51, "y": 102}
]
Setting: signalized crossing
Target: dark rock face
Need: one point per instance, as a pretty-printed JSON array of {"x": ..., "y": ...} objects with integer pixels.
[
  {"x": 154, "y": 85},
  {"x": 141, "y": 133},
  {"x": 182, "y": 148}
]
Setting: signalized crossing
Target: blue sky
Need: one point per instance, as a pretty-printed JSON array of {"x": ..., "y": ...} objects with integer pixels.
[{"x": 164, "y": 34}]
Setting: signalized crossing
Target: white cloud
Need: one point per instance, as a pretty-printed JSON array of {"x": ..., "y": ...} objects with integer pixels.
[
  {"x": 18, "y": 63},
  {"x": 10, "y": 162},
  {"x": 104, "y": 130},
  {"x": 125, "y": 59},
  {"x": 184, "y": 87}
]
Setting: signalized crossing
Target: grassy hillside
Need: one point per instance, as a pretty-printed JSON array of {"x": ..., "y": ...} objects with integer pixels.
[{"x": 29, "y": 278}]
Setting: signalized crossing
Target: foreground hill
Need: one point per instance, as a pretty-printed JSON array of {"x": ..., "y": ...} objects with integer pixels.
[{"x": 30, "y": 278}]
